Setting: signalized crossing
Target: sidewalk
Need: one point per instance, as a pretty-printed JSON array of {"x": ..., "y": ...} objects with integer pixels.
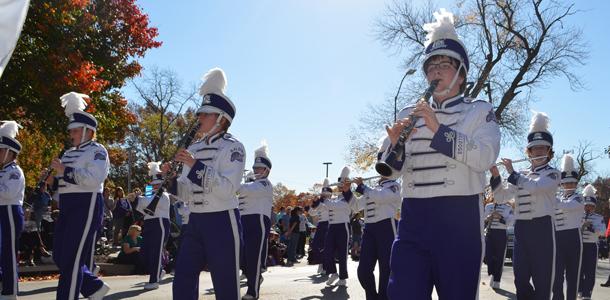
[{"x": 282, "y": 283}]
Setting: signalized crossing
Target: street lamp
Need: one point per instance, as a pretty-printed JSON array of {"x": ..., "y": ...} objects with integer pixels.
[
  {"x": 327, "y": 163},
  {"x": 409, "y": 72}
]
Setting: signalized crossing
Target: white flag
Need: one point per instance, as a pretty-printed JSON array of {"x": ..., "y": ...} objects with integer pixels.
[{"x": 12, "y": 16}]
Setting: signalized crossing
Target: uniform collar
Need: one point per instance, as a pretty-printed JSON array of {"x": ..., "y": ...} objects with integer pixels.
[
  {"x": 212, "y": 138},
  {"x": 385, "y": 181},
  {"x": 84, "y": 144},
  {"x": 448, "y": 103},
  {"x": 10, "y": 164},
  {"x": 536, "y": 169}
]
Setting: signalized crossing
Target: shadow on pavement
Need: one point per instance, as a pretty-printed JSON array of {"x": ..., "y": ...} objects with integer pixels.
[
  {"x": 505, "y": 293},
  {"x": 331, "y": 292},
  {"x": 38, "y": 291},
  {"x": 314, "y": 279},
  {"x": 125, "y": 294}
]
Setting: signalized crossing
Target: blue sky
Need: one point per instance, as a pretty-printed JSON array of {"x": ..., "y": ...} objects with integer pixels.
[{"x": 301, "y": 73}]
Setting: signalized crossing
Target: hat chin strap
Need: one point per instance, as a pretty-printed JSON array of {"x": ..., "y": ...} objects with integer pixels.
[
  {"x": 446, "y": 91},
  {"x": 82, "y": 138},
  {"x": 568, "y": 192},
  {"x": 216, "y": 125}
]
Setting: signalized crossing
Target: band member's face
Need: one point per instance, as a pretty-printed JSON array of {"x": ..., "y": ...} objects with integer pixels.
[
  {"x": 3, "y": 153},
  {"x": 443, "y": 68},
  {"x": 589, "y": 208},
  {"x": 571, "y": 186},
  {"x": 207, "y": 121},
  {"x": 537, "y": 151},
  {"x": 76, "y": 135},
  {"x": 260, "y": 172}
]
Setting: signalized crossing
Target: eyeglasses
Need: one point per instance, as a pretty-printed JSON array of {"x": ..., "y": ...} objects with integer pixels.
[{"x": 445, "y": 65}]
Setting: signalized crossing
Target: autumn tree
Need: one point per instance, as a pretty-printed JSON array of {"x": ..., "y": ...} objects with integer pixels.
[
  {"x": 90, "y": 47},
  {"x": 515, "y": 47},
  {"x": 160, "y": 105}
]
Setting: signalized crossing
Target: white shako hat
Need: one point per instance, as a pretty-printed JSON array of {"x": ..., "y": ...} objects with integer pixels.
[
  {"x": 442, "y": 39},
  {"x": 8, "y": 134},
  {"x": 213, "y": 92},
  {"x": 154, "y": 171},
  {"x": 589, "y": 194},
  {"x": 539, "y": 131},
  {"x": 568, "y": 170},
  {"x": 261, "y": 156},
  {"x": 74, "y": 105}
]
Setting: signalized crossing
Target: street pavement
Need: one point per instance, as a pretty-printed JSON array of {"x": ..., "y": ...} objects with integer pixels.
[{"x": 285, "y": 283}]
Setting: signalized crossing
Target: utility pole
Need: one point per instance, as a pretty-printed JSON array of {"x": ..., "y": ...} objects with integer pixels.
[{"x": 327, "y": 163}]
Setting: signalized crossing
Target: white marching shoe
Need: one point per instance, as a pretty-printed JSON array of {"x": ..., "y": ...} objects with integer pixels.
[
  {"x": 242, "y": 277},
  {"x": 495, "y": 285},
  {"x": 321, "y": 269},
  {"x": 341, "y": 282},
  {"x": 96, "y": 271},
  {"x": 333, "y": 277},
  {"x": 99, "y": 294},
  {"x": 151, "y": 286}
]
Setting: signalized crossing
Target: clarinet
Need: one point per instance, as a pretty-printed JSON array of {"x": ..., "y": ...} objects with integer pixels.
[
  {"x": 184, "y": 142},
  {"x": 384, "y": 167},
  {"x": 49, "y": 171}
]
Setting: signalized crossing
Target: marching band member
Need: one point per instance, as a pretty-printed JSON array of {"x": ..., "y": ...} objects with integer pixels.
[
  {"x": 533, "y": 192},
  {"x": 592, "y": 228},
  {"x": 443, "y": 167},
  {"x": 380, "y": 204},
  {"x": 81, "y": 173},
  {"x": 255, "y": 203},
  {"x": 211, "y": 175},
  {"x": 182, "y": 208},
  {"x": 12, "y": 187},
  {"x": 156, "y": 228},
  {"x": 319, "y": 209},
  {"x": 568, "y": 219},
  {"x": 337, "y": 237},
  {"x": 497, "y": 218}
]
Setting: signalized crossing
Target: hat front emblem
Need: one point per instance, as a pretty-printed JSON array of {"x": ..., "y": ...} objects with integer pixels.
[
  {"x": 207, "y": 99},
  {"x": 438, "y": 44}
]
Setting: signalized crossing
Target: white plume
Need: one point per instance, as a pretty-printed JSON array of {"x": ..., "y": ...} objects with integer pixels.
[
  {"x": 567, "y": 163},
  {"x": 263, "y": 150},
  {"x": 154, "y": 168},
  {"x": 443, "y": 28},
  {"x": 214, "y": 81},
  {"x": 9, "y": 128},
  {"x": 345, "y": 173},
  {"x": 73, "y": 102},
  {"x": 589, "y": 191},
  {"x": 326, "y": 183},
  {"x": 540, "y": 122}
]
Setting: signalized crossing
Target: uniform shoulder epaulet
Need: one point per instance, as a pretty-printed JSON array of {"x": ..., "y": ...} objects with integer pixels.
[
  {"x": 96, "y": 144},
  {"x": 229, "y": 137},
  {"x": 473, "y": 100}
]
